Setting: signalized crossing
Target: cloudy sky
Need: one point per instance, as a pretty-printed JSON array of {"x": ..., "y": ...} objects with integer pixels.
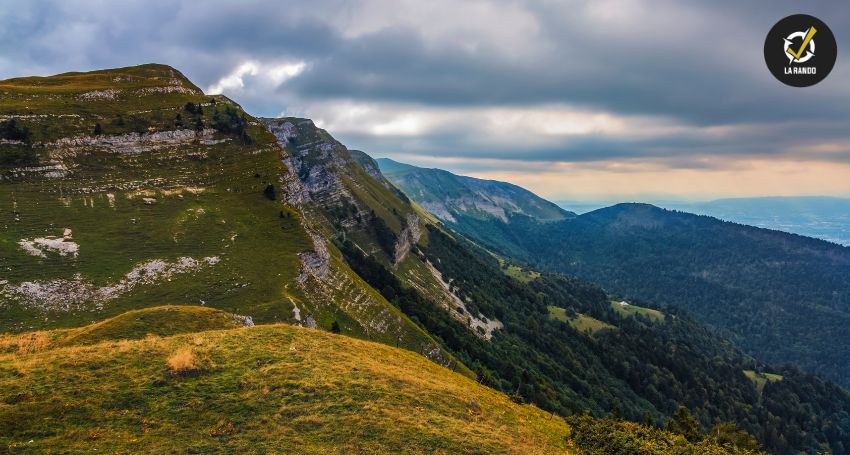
[{"x": 604, "y": 99}]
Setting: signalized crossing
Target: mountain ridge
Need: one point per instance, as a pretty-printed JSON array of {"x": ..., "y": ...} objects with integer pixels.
[{"x": 467, "y": 196}]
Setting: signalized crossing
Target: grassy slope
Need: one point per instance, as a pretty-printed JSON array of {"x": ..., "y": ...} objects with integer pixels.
[
  {"x": 582, "y": 322},
  {"x": 278, "y": 388},
  {"x": 273, "y": 388},
  {"x": 209, "y": 203},
  {"x": 761, "y": 379},
  {"x": 136, "y": 324},
  {"x": 629, "y": 310}
]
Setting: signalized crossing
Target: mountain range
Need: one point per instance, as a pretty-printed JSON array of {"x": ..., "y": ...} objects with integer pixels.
[{"x": 129, "y": 189}]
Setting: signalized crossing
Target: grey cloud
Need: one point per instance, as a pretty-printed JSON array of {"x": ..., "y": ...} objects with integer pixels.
[{"x": 698, "y": 63}]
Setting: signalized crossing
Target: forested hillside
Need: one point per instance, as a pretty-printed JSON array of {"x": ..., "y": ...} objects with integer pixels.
[{"x": 781, "y": 297}]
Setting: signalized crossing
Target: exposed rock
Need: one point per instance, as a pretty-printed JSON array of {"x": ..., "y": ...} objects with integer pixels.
[
  {"x": 315, "y": 262},
  {"x": 408, "y": 237},
  {"x": 309, "y": 322},
  {"x": 67, "y": 295},
  {"x": 41, "y": 245},
  {"x": 315, "y": 168},
  {"x": 135, "y": 142},
  {"x": 480, "y": 325},
  {"x": 169, "y": 89},
  {"x": 96, "y": 95}
]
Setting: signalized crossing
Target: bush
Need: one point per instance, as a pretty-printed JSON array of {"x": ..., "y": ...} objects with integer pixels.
[
  {"x": 183, "y": 362},
  {"x": 11, "y": 130},
  {"x": 612, "y": 437},
  {"x": 231, "y": 122}
]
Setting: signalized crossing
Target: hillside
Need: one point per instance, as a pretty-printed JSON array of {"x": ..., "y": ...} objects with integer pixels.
[
  {"x": 826, "y": 218},
  {"x": 275, "y": 388},
  {"x": 129, "y": 188},
  {"x": 781, "y": 297},
  {"x": 475, "y": 207},
  {"x": 132, "y": 325},
  {"x": 267, "y": 388},
  {"x": 500, "y": 327}
]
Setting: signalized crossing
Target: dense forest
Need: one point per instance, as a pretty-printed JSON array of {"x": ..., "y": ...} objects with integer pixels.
[
  {"x": 779, "y": 296},
  {"x": 642, "y": 369}
]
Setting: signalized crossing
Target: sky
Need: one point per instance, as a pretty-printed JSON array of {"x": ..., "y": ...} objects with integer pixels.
[{"x": 605, "y": 99}]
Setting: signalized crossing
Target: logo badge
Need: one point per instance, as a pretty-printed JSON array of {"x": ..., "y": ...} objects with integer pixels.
[{"x": 800, "y": 50}]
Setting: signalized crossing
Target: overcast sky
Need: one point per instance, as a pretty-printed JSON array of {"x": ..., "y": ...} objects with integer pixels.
[{"x": 619, "y": 100}]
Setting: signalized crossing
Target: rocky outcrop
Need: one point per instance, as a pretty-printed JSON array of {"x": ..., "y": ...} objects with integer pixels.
[
  {"x": 479, "y": 324},
  {"x": 317, "y": 169},
  {"x": 138, "y": 143},
  {"x": 74, "y": 294},
  {"x": 315, "y": 262},
  {"x": 408, "y": 237}
]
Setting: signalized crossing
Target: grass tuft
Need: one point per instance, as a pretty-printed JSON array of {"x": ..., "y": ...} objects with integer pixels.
[{"x": 182, "y": 362}]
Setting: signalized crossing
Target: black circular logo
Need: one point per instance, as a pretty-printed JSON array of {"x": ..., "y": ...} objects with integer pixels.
[{"x": 800, "y": 50}]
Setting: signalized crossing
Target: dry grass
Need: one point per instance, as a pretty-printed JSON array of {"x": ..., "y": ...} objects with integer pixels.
[
  {"x": 26, "y": 343},
  {"x": 276, "y": 389},
  {"x": 137, "y": 324},
  {"x": 183, "y": 362}
]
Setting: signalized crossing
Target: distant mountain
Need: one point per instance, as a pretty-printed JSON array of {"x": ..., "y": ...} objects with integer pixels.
[
  {"x": 826, "y": 218},
  {"x": 822, "y": 217},
  {"x": 450, "y": 196},
  {"x": 477, "y": 208}
]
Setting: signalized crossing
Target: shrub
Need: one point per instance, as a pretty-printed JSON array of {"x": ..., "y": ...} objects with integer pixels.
[
  {"x": 183, "y": 362},
  {"x": 11, "y": 130}
]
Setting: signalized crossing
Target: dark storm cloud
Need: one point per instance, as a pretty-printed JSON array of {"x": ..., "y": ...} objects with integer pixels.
[
  {"x": 710, "y": 74},
  {"x": 698, "y": 64}
]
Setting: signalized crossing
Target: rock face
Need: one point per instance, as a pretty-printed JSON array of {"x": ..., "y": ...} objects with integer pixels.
[
  {"x": 315, "y": 159},
  {"x": 315, "y": 262},
  {"x": 326, "y": 184},
  {"x": 409, "y": 236},
  {"x": 139, "y": 142},
  {"x": 325, "y": 179}
]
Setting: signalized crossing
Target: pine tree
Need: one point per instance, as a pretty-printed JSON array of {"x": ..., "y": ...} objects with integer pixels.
[{"x": 683, "y": 422}]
